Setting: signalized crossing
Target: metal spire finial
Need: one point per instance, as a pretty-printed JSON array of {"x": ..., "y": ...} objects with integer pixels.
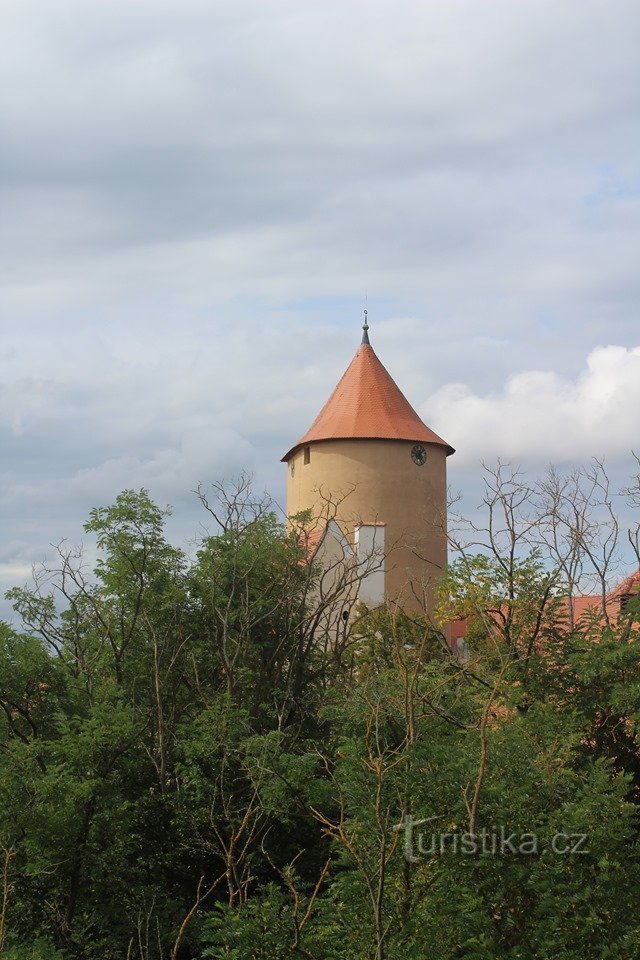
[{"x": 365, "y": 330}]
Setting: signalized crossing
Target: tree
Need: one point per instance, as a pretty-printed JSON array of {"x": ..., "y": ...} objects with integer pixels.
[{"x": 189, "y": 767}]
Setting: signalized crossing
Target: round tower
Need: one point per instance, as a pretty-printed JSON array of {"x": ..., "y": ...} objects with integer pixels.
[{"x": 369, "y": 461}]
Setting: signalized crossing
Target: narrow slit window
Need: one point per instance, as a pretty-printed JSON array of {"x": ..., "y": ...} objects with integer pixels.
[{"x": 307, "y": 455}]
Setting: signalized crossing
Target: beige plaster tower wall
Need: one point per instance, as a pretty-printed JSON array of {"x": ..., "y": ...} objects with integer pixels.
[{"x": 373, "y": 480}]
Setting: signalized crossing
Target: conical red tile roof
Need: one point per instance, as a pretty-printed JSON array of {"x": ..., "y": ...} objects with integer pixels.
[{"x": 368, "y": 404}]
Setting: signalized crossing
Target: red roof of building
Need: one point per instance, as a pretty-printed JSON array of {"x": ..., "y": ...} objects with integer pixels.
[
  {"x": 310, "y": 540},
  {"x": 586, "y": 606},
  {"x": 368, "y": 404},
  {"x": 627, "y": 588}
]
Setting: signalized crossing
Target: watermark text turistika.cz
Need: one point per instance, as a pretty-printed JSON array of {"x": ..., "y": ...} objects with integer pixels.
[{"x": 497, "y": 840}]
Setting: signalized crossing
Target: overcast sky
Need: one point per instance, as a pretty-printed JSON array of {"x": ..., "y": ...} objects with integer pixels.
[{"x": 197, "y": 197}]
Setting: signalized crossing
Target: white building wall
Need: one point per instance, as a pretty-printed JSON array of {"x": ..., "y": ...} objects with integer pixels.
[{"x": 369, "y": 546}]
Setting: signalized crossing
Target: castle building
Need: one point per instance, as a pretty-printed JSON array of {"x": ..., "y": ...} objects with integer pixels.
[{"x": 371, "y": 472}]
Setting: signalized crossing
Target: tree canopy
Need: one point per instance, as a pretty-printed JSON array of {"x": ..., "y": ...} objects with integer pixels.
[{"x": 188, "y": 769}]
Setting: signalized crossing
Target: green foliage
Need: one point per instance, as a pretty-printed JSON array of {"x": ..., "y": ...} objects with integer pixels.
[
  {"x": 261, "y": 930},
  {"x": 38, "y": 950},
  {"x": 184, "y": 772}
]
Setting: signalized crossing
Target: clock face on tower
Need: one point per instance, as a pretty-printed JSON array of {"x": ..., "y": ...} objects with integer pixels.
[{"x": 419, "y": 454}]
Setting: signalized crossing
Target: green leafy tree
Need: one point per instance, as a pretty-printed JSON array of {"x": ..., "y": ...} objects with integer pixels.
[{"x": 190, "y": 768}]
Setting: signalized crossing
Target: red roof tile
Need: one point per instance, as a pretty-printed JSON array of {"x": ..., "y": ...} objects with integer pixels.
[
  {"x": 368, "y": 404},
  {"x": 628, "y": 587},
  {"x": 310, "y": 540},
  {"x": 583, "y": 606}
]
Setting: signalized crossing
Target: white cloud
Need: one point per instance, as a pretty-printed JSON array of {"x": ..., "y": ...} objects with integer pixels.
[{"x": 541, "y": 416}]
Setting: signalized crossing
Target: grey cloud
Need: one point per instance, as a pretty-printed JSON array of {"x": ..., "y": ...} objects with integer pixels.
[{"x": 195, "y": 198}]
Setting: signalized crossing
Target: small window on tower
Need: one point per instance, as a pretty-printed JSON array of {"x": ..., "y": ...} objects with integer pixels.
[{"x": 307, "y": 455}]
